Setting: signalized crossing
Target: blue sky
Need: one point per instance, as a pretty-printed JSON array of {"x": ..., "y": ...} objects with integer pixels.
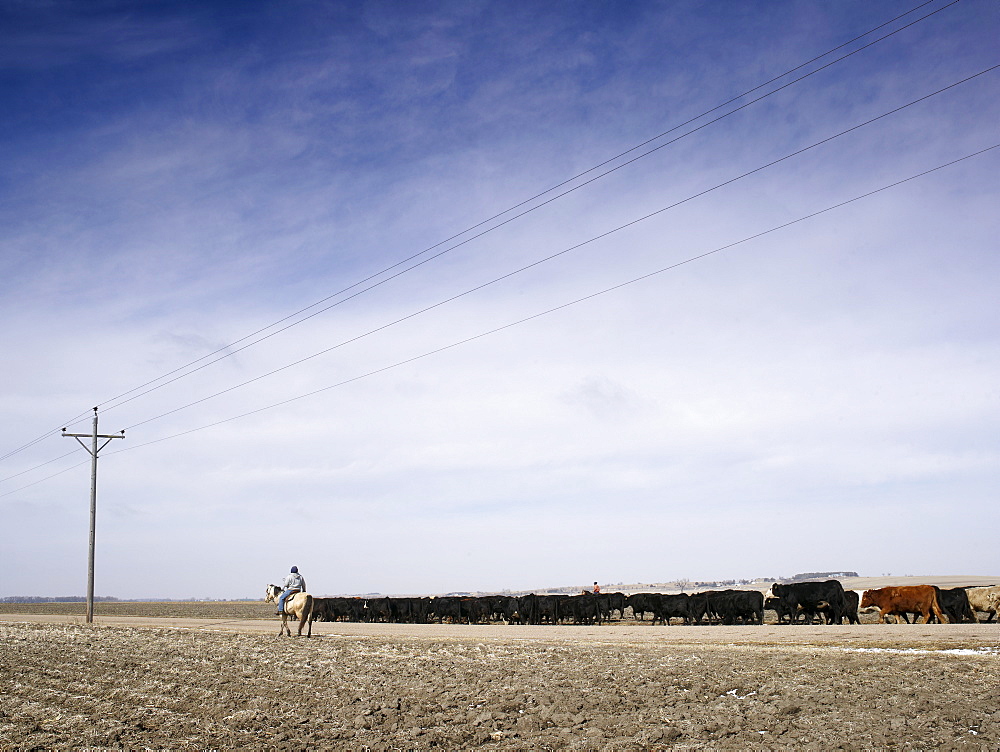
[{"x": 177, "y": 176}]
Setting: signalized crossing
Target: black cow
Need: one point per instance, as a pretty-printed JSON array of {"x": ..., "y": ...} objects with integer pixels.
[
  {"x": 475, "y": 610},
  {"x": 497, "y": 606},
  {"x": 401, "y": 610},
  {"x": 851, "y": 601},
  {"x": 707, "y": 605},
  {"x": 603, "y": 603},
  {"x": 322, "y": 610},
  {"x": 548, "y": 609},
  {"x": 850, "y": 615},
  {"x": 501, "y": 608},
  {"x": 954, "y": 602},
  {"x": 409, "y": 610},
  {"x": 615, "y": 602},
  {"x": 584, "y": 609},
  {"x": 378, "y": 609},
  {"x": 642, "y": 604},
  {"x": 784, "y": 615},
  {"x": 527, "y": 609},
  {"x": 672, "y": 606},
  {"x": 697, "y": 607},
  {"x": 730, "y": 606},
  {"x": 446, "y": 607},
  {"x": 812, "y": 598},
  {"x": 355, "y": 608},
  {"x": 512, "y": 610},
  {"x": 746, "y": 606}
]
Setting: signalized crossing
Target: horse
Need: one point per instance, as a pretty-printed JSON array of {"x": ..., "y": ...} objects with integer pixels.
[{"x": 297, "y": 605}]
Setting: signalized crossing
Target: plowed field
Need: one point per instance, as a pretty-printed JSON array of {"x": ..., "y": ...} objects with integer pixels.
[{"x": 229, "y": 685}]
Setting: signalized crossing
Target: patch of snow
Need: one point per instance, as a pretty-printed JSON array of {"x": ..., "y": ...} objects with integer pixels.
[{"x": 926, "y": 651}]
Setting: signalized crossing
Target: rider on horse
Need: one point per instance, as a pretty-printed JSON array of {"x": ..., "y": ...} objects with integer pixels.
[{"x": 294, "y": 583}]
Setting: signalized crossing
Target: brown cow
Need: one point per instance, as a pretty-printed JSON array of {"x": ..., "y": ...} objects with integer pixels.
[{"x": 902, "y": 599}]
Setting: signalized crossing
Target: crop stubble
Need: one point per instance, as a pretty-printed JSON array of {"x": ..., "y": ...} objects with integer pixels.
[{"x": 70, "y": 686}]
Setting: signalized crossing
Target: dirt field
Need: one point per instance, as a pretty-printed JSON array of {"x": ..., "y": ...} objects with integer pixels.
[{"x": 191, "y": 682}]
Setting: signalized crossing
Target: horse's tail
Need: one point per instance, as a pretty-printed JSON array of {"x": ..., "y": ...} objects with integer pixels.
[{"x": 306, "y": 614}]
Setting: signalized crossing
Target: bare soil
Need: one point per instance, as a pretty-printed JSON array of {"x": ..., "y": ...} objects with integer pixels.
[{"x": 192, "y": 682}]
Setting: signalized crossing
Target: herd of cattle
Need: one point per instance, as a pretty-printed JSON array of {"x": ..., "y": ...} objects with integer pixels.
[{"x": 828, "y": 602}]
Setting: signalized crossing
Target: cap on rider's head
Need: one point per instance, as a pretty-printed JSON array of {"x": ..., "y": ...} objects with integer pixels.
[{"x": 295, "y": 570}]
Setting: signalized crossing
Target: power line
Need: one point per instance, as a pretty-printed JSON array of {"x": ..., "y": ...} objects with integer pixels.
[
  {"x": 42, "y": 480},
  {"x": 535, "y": 316},
  {"x": 571, "y": 303},
  {"x": 44, "y": 436},
  {"x": 511, "y": 219},
  {"x": 566, "y": 250},
  {"x": 32, "y": 469},
  {"x": 82, "y": 415}
]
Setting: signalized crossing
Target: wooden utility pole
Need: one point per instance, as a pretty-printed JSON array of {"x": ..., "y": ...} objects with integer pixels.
[{"x": 93, "y": 451}]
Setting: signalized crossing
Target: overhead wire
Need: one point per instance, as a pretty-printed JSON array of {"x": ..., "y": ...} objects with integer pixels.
[
  {"x": 36, "y": 467},
  {"x": 227, "y": 349},
  {"x": 229, "y": 352},
  {"x": 569, "y": 304},
  {"x": 534, "y": 316},
  {"x": 44, "y": 436},
  {"x": 568, "y": 181},
  {"x": 566, "y": 250},
  {"x": 42, "y": 480}
]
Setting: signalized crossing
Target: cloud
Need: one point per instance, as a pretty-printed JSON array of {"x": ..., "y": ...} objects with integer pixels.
[{"x": 837, "y": 371}]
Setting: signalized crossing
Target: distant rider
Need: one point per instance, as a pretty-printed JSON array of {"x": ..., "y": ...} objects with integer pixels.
[
  {"x": 294, "y": 583},
  {"x": 597, "y": 589}
]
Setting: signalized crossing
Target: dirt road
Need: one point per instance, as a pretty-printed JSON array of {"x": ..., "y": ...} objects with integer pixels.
[{"x": 925, "y": 636}]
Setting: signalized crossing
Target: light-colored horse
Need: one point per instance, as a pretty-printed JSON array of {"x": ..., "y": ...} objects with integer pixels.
[{"x": 297, "y": 605}]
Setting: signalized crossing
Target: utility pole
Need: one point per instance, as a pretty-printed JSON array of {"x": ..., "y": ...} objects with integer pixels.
[{"x": 93, "y": 451}]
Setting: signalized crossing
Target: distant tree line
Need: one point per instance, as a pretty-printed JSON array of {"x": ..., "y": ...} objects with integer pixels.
[{"x": 820, "y": 575}]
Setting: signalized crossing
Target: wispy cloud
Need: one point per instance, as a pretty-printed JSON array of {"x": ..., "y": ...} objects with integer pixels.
[{"x": 179, "y": 178}]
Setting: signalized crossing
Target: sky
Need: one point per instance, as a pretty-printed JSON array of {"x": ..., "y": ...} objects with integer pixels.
[{"x": 457, "y": 182}]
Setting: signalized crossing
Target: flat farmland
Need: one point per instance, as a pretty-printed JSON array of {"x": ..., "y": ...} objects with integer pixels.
[
  {"x": 213, "y": 675},
  {"x": 140, "y": 609}
]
